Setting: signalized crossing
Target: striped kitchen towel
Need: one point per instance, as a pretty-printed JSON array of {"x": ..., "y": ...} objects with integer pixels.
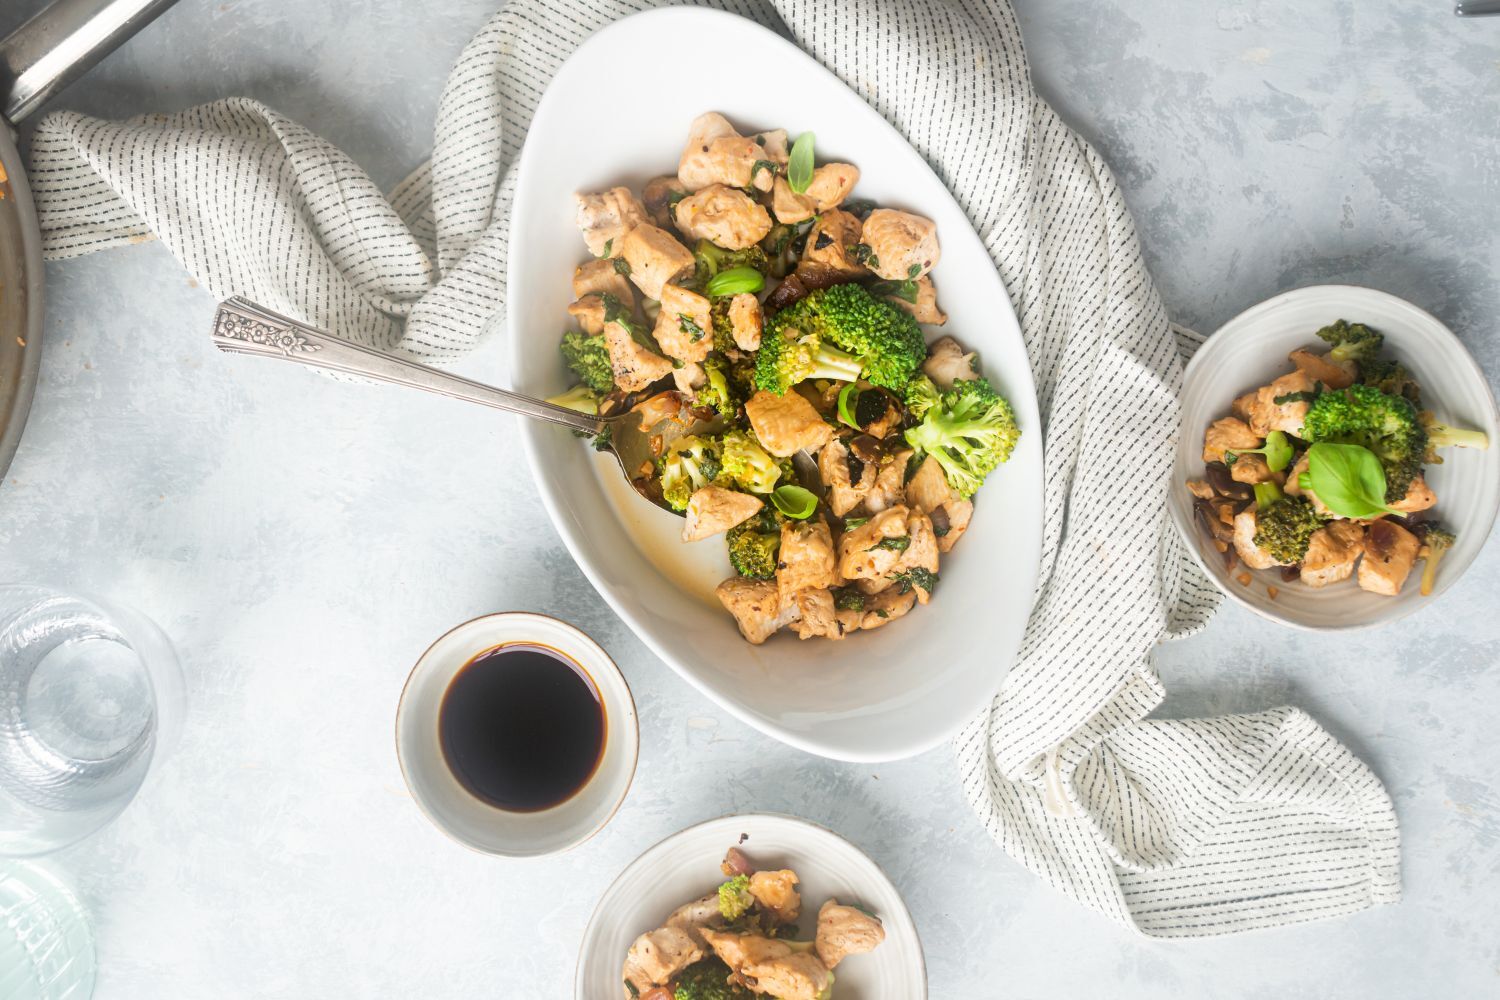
[{"x": 1175, "y": 828}]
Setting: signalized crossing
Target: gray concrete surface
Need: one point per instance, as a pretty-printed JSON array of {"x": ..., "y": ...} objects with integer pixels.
[{"x": 303, "y": 541}]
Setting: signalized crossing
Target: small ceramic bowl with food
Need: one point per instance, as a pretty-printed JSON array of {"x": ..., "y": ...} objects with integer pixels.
[{"x": 1335, "y": 467}]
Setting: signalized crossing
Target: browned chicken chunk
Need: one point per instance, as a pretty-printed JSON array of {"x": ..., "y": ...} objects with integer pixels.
[
  {"x": 846, "y": 477},
  {"x": 890, "y": 481},
  {"x": 872, "y": 550},
  {"x": 657, "y": 195},
  {"x": 806, "y": 561},
  {"x": 885, "y": 607},
  {"x": 1331, "y": 552},
  {"x": 1419, "y": 496},
  {"x": 819, "y": 617},
  {"x": 929, "y": 492},
  {"x": 902, "y": 245},
  {"x": 830, "y": 185},
  {"x": 777, "y": 892},
  {"x": 785, "y": 425},
  {"x": 1390, "y": 551},
  {"x": 1252, "y": 469},
  {"x": 717, "y": 154},
  {"x": 925, "y": 308},
  {"x": 828, "y": 243},
  {"x": 712, "y": 509},
  {"x": 605, "y": 219},
  {"x": 635, "y": 366},
  {"x": 745, "y": 321},
  {"x": 1267, "y": 415},
  {"x": 1227, "y": 432},
  {"x": 1321, "y": 368},
  {"x": 684, "y": 324},
  {"x": 844, "y": 931},
  {"x": 922, "y": 553},
  {"x": 947, "y": 362},
  {"x": 655, "y": 258},
  {"x": 658, "y": 955},
  {"x": 756, "y": 607},
  {"x": 770, "y": 966},
  {"x": 588, "y": 312},
  {"x": 725, "y": 216},
  {"x": 603, "y": 276}
]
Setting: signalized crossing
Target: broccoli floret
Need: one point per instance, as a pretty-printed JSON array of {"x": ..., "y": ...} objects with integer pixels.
[
  {"x": 735, "y": 898},
  {"x": 970, "y": 431},
  {"x": 841, "y": 333},
  {"x": 690, "y": 464},
  {"x": 747, "y": 466},
  {"x": 580, "y": 398},
  {"x": 708, "y": 980},
  {"x": 1387, "y": 425},
  {"x": 1284, "y": 528},
  {"x": 1352, "y": 341},
  {"x": 1436, "y": 541},
  {"x": 1443, "y": 436},
  {"x": 709, "y": 260},
  {"x": 1391, "y": 377},
  {"x": 921, "y": 396},
  {"x": 588, "y": 357},
  {"x": 716, "y": 391},
  {"x": 723, "y": 329},
  {"x": 848, "y": 599},
  {"x": 755, "y": 544}
]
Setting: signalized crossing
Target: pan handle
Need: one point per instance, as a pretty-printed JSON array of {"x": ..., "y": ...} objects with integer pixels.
[{"x": 61, "y": 43}]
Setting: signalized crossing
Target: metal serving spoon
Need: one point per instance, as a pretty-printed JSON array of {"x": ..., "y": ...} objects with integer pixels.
[{"x": 635, "y": 436}]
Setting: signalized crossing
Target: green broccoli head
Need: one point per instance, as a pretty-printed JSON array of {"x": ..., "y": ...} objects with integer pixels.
[
  {"x": 1392, "y": 378},
  {"x": 723, "y": 329},
  {"x": 1436, "y": 541},
  {"x": 748, "y": 466},
  {"x": 735, "y": 898},
  {"x": 921, "y": 395},
  {"x": 755, "y": 544},
  {"x": 1351, "y": 341},
  {"x": 708, "y": 980},
  {"x": 709, "y": 260},
  {"x": 718, "y": 391},
  {"x": 1284, "y": 528},
  {"x": 1387, "y": 425},
  {"x": 689, "y": 464},
  {"x": 842, "y": 333},
  {"x": 970, "y": 431},
  {"x": 588, "y": 357}
]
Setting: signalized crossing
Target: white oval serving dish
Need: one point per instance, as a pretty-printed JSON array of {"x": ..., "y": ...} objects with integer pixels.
[
  {"x": 1251, "y": 350},
  {"x": 881, "y": 695}
]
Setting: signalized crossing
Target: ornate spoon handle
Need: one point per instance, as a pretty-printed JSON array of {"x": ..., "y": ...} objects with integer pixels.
[{"x": 243, "y": 327}]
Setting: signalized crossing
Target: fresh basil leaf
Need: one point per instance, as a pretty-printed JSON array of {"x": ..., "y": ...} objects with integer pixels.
[
  {"x": 848, "y": 398},
  {"x": 799, "y": 167},
  {"x": 794, "y": 502},
  {"x": 1348, "y": 480},
  {"x": 735, "y": 281}
]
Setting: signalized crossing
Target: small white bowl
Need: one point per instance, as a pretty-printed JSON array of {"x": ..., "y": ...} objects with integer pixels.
[
  {"x": 685, "y": 867},
  {"x": 1251, "y": 349},
  {"x": 456, "y": 811}
]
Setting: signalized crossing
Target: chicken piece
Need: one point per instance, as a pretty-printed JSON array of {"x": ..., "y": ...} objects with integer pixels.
[
  {"x": 603, "y": 276},
  {"x": 1331, "y": 552},
  {"x": 890, "y": 481},
  {"x": 925, "y": 309},
  {"x": 771, "y": 967},
  {"x": 922, "y": 553},
  {"x": 635, "y": 366},
  {"x": 819, "y": 616},
  {"x": 774, "y": 147},
  {"x": 713, "y": 509},
  {"x": 1201, "y": 489},
  {"x": 950, "y": 521},
  {"x": 806, "y": 560},
  {"x": 655, "y": 258},
  {"x": 929, "y": 491},
  {"x": 830, "y": 185},
  {"x": 785, "y": 425},
  {"x": 885, "y": 607},
  {"x": 868, "y": 552},
  {"x": 656, "y": 197},
  {"x": 1267, "y": 415},
  {"x": 745, "y": 321},
  {"x": 845, "y": 931},
  {"x": 717, "y": 154},
  {"x": 901, "y": 245},
  {"x": 589, "y": 312},
  {"x": 693, "y": 917},
  {"x": 1321, "y": 368},
  {"x": 1251, "y": 554},
  {"x": 1252, "y": 469},
  {"x": 846, "y": 478},
  {"x": 874, "y": 585},
  {"x": 1227, "y": 432},
  {"x": 1390, "y": 551},
  {"x": 684, "y": 324},
  {"x": 828, "y": 243},
  {"x": 756, "y": 607},
  {"x": 777, "y": 892},
  {"x": 1244, "y": 405},
  {"x": 605, "y": 219},
  {"x": 1293, "y": 486},
  {"x": 725, "y": 216},
  {"x": 1419, "y": 496},
  {"x": 689, "y": 379},
  {"x": 658, "y": 955},
  {"x": 947, "y": 362}
]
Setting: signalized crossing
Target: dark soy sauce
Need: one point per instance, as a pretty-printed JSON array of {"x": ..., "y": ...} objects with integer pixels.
[{"x": 522, "y": 727}]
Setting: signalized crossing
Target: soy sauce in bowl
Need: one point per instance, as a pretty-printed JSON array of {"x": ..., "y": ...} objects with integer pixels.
[{"x": 522, "y": 727}]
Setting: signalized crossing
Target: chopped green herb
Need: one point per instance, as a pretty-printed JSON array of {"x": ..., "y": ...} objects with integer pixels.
[
  {"x": 622, "y": 266},
  {"x": 917, "y": 577},
  {"x": 898, "y": 544},
  {"x": 607, "y": 244},
  {"x": 760, "y": 165},
  {"x": 861, "y": 253},
  {"x": 689, "y": 326}
]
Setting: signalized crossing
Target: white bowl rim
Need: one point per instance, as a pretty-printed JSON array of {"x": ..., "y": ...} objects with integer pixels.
[
  {"x": 598, "y": 911},
  {"x": 1188, "y": 530},
  {"x": 632, "y": 733},
  {"x": 1023, "y": 380}
]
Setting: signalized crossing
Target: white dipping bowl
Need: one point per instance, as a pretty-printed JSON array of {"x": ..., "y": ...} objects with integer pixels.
[
  {"x": 1251, "y": 350},
  {"x": 456, "y": 811}
]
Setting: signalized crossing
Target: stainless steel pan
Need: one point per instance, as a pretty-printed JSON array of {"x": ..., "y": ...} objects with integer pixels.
[{"x": 44, "y": 55}]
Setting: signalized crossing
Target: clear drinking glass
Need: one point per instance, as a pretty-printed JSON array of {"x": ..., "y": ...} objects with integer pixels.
[
  {"x": 46, "y": 947},
  {"x": 91, "y": 696}
]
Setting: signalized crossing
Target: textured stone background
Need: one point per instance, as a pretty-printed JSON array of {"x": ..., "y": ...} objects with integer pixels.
[{"x": 303, "y": 541}]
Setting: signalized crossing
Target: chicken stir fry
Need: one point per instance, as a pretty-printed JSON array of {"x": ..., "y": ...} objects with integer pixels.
[
  {"x": 1322, "y": 469},
  {"x": 738, "y": 942},
  {"x": 752, "y": 288}
]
